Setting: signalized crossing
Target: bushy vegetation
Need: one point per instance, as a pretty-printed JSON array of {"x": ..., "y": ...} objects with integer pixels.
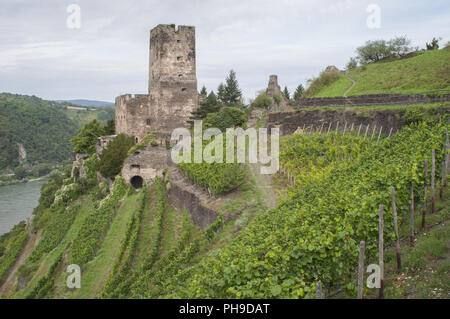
[
  {"x": 112, "y": 158},
  {"x": 374, "y": 51},
  {"x": 40, "y": 126},
  {"x": 87, "y": 137},
  {"x": 262, "y": 101},
  {"x": 210, "y": 105},
  {"x": 317, "y": 84},
  {"x": 227, "y": 117}
]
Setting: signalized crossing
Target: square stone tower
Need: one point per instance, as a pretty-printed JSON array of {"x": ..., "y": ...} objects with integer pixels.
[{"x": 172, "y": 90}]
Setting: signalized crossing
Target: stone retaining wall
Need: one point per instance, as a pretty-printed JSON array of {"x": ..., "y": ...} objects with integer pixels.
[
  {"x": 374, "y": 99},
  {"x": 288, "y": 122}
]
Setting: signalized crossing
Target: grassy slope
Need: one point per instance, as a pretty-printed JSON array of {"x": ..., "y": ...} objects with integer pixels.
[
  {"x": 426, "y": 72},
  {"x": 50, "y": 258},
  {"x": 95, "y": 273}
]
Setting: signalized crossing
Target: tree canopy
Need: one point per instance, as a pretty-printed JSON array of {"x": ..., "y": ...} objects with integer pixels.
[
  {"x": 112, "y": 158},
  {"x": 87, "y": 137}
]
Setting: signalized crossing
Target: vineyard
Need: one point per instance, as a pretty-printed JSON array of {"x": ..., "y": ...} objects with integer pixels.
[
  {"x": 314, "y": 233},
  {"x": 217, "y": 178},
  {"x": 133, "y": 244}
]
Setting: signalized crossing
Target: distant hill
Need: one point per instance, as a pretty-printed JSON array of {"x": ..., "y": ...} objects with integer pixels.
[
  {"x": 42, "y": 127},
  {"x": 427, "y": 71},
  {"x": 87, "y": 103}
]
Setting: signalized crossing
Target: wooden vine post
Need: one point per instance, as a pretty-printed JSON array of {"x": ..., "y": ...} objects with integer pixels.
[
  {"x": 320, "y": 132},
  {"x": 379, "y": 134},
  {"x": 433, "y": 172},
  {"x": 362, "y": 247},
  {"x": 411, "y": 215},
  {"x": 397, "y": 243},
  {"x": 381, "y": 251},
  {"x": 390, "y": 132},
  {"x": 444, "y": 173},
  {"x": 359, "y": 129},
  {"x": 424, "y": 208},
  {"x": 367, "y": 129},
  {"x": 319, "y": 290}
]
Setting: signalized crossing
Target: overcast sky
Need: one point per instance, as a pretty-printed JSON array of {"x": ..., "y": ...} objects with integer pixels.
[{"x": 108, "y": 55}]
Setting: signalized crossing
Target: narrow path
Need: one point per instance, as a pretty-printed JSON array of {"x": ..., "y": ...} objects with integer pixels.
[
  {"x": 264, "y": 183},
  {"x": 351, "y": 87},
  {"x": 11, "y": 279}
]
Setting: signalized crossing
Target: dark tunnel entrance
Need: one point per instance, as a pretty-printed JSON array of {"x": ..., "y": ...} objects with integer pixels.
[{"x": 136, "y": 181}]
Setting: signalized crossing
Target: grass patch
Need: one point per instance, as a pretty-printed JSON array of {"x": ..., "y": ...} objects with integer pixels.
[{"x": 425, "y": 72}]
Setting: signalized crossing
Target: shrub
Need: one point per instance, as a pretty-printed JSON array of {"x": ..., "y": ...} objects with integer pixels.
[
  {"x": 87, "y": 137},
  {"x": 262, "y": 100},
  {"x": 352, "y": 64},
  {"x": 112, "y": 158},
  {"x": 377, "y": 50},
  {"x": 277, "y": 99},
  {"x": 20, "y": 172},
  {"x": 317, "y": 84},
  {"x": 228, "y": 117}
]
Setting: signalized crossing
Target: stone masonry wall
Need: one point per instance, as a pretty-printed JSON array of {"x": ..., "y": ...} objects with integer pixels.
[
  {"x": 372, "y": 99},
  {"x": 288, "y": 122},
  {"x": 172, "y": 86}
]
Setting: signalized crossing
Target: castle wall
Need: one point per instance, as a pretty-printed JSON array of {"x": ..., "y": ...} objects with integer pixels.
[{"x": 172, "y": 86}]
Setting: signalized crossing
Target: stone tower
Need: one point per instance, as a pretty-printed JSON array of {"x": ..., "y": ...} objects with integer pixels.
[
  {"x": 273, "y": 89},
  {"x": 172, "y": 89}
]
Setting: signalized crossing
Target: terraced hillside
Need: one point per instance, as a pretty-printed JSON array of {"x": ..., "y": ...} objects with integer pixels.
[{"x": 426, "y": 71}]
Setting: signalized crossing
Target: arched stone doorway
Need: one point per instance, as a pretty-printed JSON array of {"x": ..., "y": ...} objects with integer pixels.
[{"x": 136, "y": 181}]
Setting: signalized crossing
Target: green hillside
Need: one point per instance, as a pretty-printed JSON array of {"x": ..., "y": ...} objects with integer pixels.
[
  {"x": 44, "y": 128},
  {"x": 134, "y": 244},
  {"x": 428, "y": 71}
]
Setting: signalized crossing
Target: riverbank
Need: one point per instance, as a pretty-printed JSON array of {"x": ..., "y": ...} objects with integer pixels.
[
  {"x": 17, "y": 203},
  {"x": 25, "y": 180}
]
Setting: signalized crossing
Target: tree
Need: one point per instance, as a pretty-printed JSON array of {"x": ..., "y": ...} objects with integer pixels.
[
  {"x": 20, "y": 172},
  {"x": 221, "y": 93},
  {"x": 231, "y": 94},
  {"x": 399, "y": 46},
  {"x": 210, "y": 105},
  {"x": 262, "y": 100},
  {"x": 286, "y": 93},
  {"x": 372, "y": 51},
  {"x": 299, "y": 92},
  {"x": 434, "y": 45},
  {"x": 110, "y": 128},
  {"x": 87, "y": 137},
  {"x": 228, "y": 117},
  {"x": 377, "y": 50},
  {"x": 352, "y": 64},
  {"x": 203, "y": 91},
  {"x": 112, "y": 158}
]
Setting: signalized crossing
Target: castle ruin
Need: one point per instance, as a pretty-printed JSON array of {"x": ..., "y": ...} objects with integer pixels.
[{"x": 172, "y": 89}]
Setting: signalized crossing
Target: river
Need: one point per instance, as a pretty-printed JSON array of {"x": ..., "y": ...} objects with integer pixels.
[{"x": 17, "y": 203}]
